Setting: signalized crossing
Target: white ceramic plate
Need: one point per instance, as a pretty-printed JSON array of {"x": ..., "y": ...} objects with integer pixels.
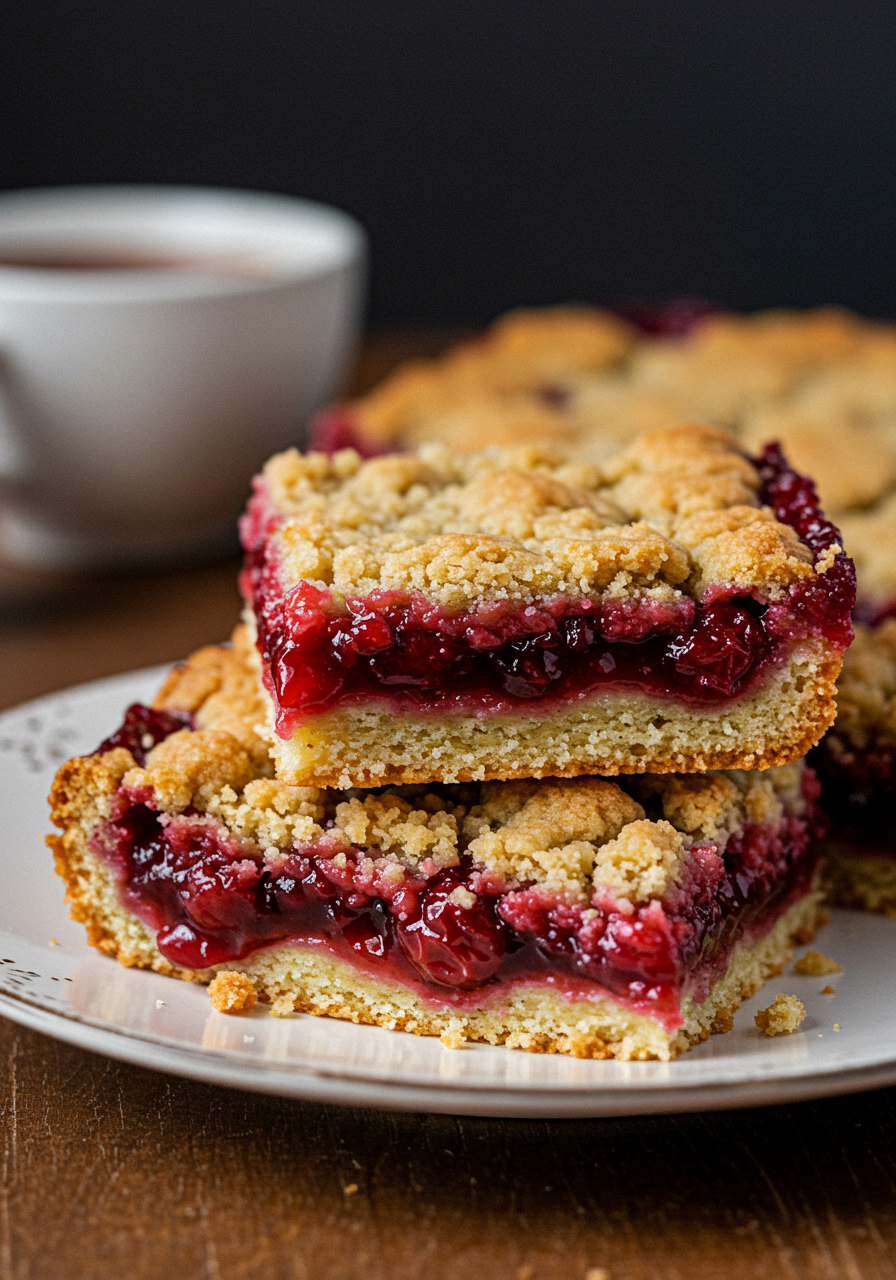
[{"x": 52, "y": 981}]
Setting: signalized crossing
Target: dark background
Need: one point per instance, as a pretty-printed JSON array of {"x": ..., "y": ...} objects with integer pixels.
[{"x": 498, "y": 151}]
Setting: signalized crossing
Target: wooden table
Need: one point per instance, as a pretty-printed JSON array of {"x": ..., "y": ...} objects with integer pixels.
[{"x": 111, "y": 1170}]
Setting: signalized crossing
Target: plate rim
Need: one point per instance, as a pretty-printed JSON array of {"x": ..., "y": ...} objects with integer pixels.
[{"x": 223, "y": 1068}]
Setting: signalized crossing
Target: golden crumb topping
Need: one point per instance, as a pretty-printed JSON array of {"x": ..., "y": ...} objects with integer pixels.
[
  {"x": 822, "y": 382},
  {"x": 710, "y": 806},
  {"x": 393, "y": 825},
  {"x": 218, "y": 687},
  {"x": 547, "y": 832},
  {"x": 866, "y": 692},
  {"x": 782, "y": 1017},
  {"x": 672, "y": 513},
  {"x": 642, "y": 862},
  {"x": 523, "y": 351}
]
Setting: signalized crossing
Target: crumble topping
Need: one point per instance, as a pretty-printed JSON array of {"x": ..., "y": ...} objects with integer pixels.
[
  {"x": 548, "y": 832},
  {"x": 815, "y": 965},
  {"x": 671, "y": 514},
  {"x": 822, "y": 382},
  {"x": 231, "y": 992},
  {"x": 642, "y": 862},
  {"x": 710, "y": 806},
  {"x": 221, "y": 693},
  {"x": 523, "y": 350},
  {"x": 866, "y": 692},
  {"x": 394, "y": 825},
  {"x": 782, "y": 1016}
]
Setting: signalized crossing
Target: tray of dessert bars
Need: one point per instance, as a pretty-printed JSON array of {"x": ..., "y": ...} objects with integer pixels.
[{"x": 53, "y": 982}]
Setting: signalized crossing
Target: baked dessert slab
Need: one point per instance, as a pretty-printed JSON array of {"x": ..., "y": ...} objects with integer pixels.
[
  {"x": 515, "y": 614},
  {"x": 578, "y": 916},
  {"x": 586, "y": 379}
]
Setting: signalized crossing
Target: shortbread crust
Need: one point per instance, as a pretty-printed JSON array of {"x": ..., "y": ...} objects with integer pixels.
[{"x": 517, "y": 854}]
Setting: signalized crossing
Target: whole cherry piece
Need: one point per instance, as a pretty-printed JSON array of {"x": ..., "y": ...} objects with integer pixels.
[{"x": 449, "y": 942}]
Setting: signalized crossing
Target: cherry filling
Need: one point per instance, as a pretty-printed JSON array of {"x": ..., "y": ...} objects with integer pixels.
[
  {"x": 451, "y": 933},
  {"x": 402, "y": 648},
  {"x": 859, "y": 791},
  {"x": 143, "y": 728}
]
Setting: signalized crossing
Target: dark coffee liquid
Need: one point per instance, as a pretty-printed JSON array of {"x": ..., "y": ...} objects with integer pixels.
[{"x": 77, "y": 259}]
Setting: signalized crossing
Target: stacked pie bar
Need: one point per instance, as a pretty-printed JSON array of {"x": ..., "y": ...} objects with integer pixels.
[
  {"x": 511, "y": 749},
  {"x": 821, "y": 382}
]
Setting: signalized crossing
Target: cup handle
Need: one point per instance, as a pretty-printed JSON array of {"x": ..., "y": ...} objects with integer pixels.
[{"x": 12, "y": 450}]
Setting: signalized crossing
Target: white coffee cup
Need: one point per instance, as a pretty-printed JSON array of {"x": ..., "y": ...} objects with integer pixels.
[{"x": 156, "y": 345}]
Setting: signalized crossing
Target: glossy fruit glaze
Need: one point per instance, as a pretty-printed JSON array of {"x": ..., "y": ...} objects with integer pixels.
[
  {"x": 501, "y": 657},
  {"x": 210, "y": 901},
  {"x": 143, "y": 727}
]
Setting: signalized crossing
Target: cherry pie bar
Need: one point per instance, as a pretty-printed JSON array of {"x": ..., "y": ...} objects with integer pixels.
[
  {"x": 823, "y": 382},
  {"x": 586, "y": 916},
  {"x": 508, "y": 614}
]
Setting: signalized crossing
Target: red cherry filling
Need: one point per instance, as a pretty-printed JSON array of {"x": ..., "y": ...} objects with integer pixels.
[
  {"x": 450, "y": 943},
  {"x": 144, "y": 728}
]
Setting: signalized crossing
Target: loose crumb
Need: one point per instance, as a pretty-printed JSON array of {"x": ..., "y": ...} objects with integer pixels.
[
  {"x": 828, "y": 990},
  {"x": 351, "y": 1189},
  {"x": 160, "y": 1004},
  {"x": 815, "y": 965},
  {"x": 282, "y": 1007},
  {"x": 54, "y": 942},
  {"x": 453, "y": 1035},
  {"x": 231, "y": 992},
  {"x": 837, "y": 1026},
  {"x": 781, "y": 1017}
]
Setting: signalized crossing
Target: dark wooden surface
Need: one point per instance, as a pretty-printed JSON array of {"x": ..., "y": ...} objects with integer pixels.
[{"x": 110, "y": 1170}]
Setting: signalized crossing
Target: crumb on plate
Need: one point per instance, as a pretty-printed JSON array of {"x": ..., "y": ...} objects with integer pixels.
[
  {"x": 231, "y": 992},
  {"x": 782, "y": 1016},
  {"x": 815, "y": 965}
]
